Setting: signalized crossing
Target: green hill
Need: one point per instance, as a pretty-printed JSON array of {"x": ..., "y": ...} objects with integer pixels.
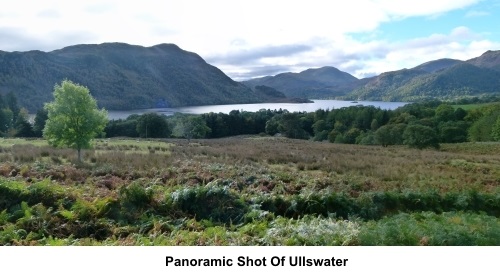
[
  {"x": 437, "y": 65},
  {"x": 385, "y": 85},
  {"x": 311, "y": 83},
  {"x": 490, "y": 59},
  {"x": 121, "y": 76},
  {"x": 440, "y": 79}
]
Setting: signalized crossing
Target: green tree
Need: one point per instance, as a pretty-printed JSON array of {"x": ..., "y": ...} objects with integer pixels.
[
  {"x": 460, "y": 114},
  {"x": 320, "y": 129},
  {"x": 6, "y": 121},
  {"x": 453, "y": 132},
  {"x": 73, "y": 117},
  {"x": 191, "y": 127},
  {"x": 374, "y": 125},
  {"x": 23, "y": 127},
  {"x": 351, "y": 135},
  {"x": 419, "y": 136},
  {"x": 485, "y": 118},
  {"x": 152, "y": 125},
  {"x": 272, "y": 125},
  {"x": 495, "y": 132},
  {"x": 444, "y": 113},
  {"x": 391, "y": 134},
  {"x": 39, "y": 122},
  {"x": 290, "y": 125},
  {"x": 366, "y": 138},
  {"x": 11, "y": 103},
  {"x": 482, "y": 129}
]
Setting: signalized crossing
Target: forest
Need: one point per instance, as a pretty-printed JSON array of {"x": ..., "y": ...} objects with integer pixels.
[{"x": 418, "y": 125}]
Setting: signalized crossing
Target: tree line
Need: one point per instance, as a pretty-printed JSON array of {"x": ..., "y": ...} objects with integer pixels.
[{"x": 419, "y": 125}]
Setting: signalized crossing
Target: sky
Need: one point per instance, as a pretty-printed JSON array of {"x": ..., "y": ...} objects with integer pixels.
[{"x": 255, "y": 38}]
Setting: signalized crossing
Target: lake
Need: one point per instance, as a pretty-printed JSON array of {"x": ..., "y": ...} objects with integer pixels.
[{"x": 292, "y": 107}]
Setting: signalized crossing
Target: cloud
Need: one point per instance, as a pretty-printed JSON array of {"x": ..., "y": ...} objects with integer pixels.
[
  {"x": 409, "y": 8},
  {"x": 259, "y": 71},
  {"x": 51, "y": 13},
  {"x": 436, "y": 40},
  {"x": 475, "y": 13},
  {"x": 365, "y": 59},
  {"x": 253, "y": 55},
  {"x": 100, "y": 7},
  {"x": 461, "y": 43},
  {"x": 246, "y": 38},
  {"x": 14, "y": 39}
]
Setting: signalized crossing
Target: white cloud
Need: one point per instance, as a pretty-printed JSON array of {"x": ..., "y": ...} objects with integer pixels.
[
  {"x": 475, "y": 13},
  {"x": 460, "y": 44},
  {"x": 407, "y": 8},
  {"x": 268, "y": 35}
]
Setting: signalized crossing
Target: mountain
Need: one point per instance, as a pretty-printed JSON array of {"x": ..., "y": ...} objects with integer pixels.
[
  {"x": 122, "y": 76},
  {"x": 439, "y": 79},
  {"x": 385, "y": 85},
  {"x": 490, "y": 60},
  {"x": 436, "y": 65},
  {"x": 311, "y": 83}
]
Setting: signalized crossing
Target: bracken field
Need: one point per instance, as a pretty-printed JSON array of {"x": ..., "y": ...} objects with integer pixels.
[{"x": 248, "y": 190}]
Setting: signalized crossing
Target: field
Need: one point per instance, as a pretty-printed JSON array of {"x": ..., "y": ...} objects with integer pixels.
[
  {"x": 474, "y": 106},
  {"x": 248, "y": 191}
]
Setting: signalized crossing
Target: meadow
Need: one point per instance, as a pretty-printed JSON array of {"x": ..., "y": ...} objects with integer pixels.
[{"x": 248, "y": 190}]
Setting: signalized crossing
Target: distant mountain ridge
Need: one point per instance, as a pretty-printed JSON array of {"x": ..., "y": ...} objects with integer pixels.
[
  {"x": 309, "y": 83},
  {"x": 437, "y": 65},
  {"x": 437, "y": 79},
  {"x": 490, "y": 59},
  {"x": 440, "y": 79},
  {"x": 122, "y": 76}
]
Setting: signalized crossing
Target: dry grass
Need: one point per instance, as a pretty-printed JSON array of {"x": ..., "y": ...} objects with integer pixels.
[{"x": 263, "y": 165}]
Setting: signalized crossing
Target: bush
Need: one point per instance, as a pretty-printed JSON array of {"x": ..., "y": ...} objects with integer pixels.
[
  {"x": 428, "y": 228},
  {"x": 311, "y": 230},
  {"x": 420, "y": 136},
  {"x": 210, "y": 202},
  {"x": 135, "y": 195}
]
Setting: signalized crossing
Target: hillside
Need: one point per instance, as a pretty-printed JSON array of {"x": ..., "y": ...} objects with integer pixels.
[
  {"x": 439, "y": 79},
  {"x": 122, "y": 76},
  {"x": 490, "y": 59},
  {"x": 437, "y": 65},
  {"x": 311, "y": 83},
  {"x": 385, "y": 85}
]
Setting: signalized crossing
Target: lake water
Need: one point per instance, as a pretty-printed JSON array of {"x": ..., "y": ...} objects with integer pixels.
[{"x": 292, "y": 107}]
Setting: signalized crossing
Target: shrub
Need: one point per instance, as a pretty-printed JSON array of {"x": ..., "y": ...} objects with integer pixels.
[
  {"x": 311, "y": 230},
  {"x": 135, "y": 195},
  {"x": 210, "y": 202},
  {"x": 428, "y": 228}
]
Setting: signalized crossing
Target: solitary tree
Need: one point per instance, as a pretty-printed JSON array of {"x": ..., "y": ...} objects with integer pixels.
[{"x": 73, "y": 117}]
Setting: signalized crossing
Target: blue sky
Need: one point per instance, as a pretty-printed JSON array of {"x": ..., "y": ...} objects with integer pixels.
[
  {"x": 481, "y": 18},
  {"x": 253, "y": 38}
]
